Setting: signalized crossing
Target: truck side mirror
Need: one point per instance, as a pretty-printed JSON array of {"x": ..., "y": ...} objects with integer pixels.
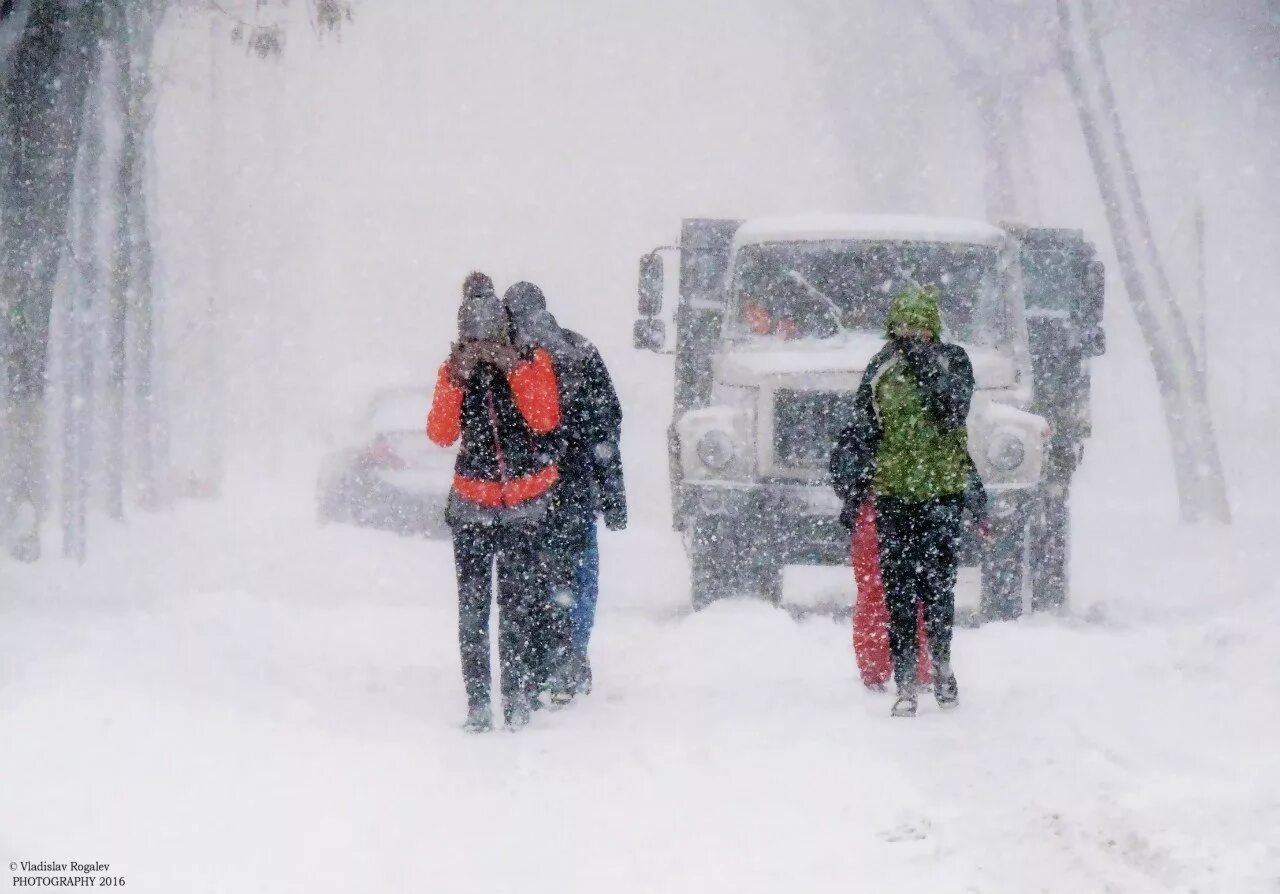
[
  {"x": 1093, "y": 338},
  {"x": 650, "y": 334},
  {"x": 651, "y": 285}
]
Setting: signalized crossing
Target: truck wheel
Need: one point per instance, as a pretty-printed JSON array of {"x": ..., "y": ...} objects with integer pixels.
[
  {"x": 1050, "y": 548},
  {"x": 721, "y": 564},
  {"x": 1002, "y": 562},
  {"x": 761, "y": 578},
  {"x": 706, "y": 579}
]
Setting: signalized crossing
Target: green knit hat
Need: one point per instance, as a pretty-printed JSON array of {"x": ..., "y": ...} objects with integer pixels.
[{"x": 915, "y": 307}]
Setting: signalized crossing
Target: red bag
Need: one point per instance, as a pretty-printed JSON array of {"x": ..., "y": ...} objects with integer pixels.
[{"x": 870, "y": 617}]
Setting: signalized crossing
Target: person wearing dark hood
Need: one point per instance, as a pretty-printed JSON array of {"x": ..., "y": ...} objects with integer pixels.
[
  {"x": 501, "y": 404},
  {"x": 907, "y": 451},
  {"x": 592, "y": 482}
]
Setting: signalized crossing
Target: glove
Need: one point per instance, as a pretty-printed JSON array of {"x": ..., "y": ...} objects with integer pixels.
[
  {"x": 852, "y": 506},
  {"x": 849, "y": 515},
  {"x": 504, "y": 357},
  {"x": 919, "y": 354},
  {"x": 615, "y": 517},
  {"x": 462, "y": 362}
]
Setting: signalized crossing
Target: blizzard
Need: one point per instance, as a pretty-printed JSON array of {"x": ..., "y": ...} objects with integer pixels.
[
  {"x": 229, "y": 696},
  {"x": 233, "y": 698}
]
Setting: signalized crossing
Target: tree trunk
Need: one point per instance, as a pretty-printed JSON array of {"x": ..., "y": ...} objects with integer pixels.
[
  {"x": 212, "y": 459},
  {"x": 999, "y": 178},
  {"x": 1197, "y": 469},
  {"x": 78, "y": 342},
  {"x": 122, "y": 264},
  {"x": 41, "y": 110},
  {"x": 141, "y": 28},
  {"x": 13, "y": 21},
  {"x": 1212, "y": 497},
  {"x": 997, "y": 96}
]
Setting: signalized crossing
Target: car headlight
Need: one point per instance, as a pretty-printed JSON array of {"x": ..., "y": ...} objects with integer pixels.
[
  {"x": 1006, "y": 451},
  {"x": 715, "y": 449}
]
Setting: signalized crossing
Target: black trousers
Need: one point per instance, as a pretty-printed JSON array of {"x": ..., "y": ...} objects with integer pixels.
[
  {"x": 918, "y": 543},
  {"x": 477, "y": 551},
  {"x": 548, "y": 579}
]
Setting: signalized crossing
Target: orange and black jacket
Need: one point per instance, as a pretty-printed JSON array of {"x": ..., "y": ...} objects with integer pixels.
[{"x": 505, "y": 457}]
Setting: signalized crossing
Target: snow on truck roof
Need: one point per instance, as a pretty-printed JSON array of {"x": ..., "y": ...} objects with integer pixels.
[{"x": 891, "y": 227}]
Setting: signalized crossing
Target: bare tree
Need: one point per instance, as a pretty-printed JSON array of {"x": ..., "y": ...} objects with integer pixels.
[
  {"x": 82, "y": 305},
  {"x": 997, "y": 84},
  {"x": 1197, "y": 464},
  {"x": 999, "y": 51},
  {"x": 50, "y": 52},
  {"x": 132, "y": 28},
  {"x": 49, "y": 67}
]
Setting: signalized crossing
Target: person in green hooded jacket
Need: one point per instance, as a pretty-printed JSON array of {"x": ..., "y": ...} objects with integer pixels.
[{"x": 907, "y": 449}]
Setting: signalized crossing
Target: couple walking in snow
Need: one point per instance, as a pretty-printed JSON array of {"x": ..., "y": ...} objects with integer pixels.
[{"x": 538, "y": 424}]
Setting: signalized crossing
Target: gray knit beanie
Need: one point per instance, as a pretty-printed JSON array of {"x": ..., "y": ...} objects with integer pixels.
[{"x": 481, "y": 318}]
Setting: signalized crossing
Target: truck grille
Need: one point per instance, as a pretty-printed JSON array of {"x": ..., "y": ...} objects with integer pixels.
[{"x": 805, "y": 426}]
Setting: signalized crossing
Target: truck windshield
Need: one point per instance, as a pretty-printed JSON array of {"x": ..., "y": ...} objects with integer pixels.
[{"x": 788, "y": 290}]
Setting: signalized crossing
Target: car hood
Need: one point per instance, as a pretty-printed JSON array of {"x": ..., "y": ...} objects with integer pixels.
[{"x": 841, "y": 359}]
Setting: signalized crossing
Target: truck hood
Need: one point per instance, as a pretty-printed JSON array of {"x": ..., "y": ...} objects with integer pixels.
[{"x": 840, "y": 359}]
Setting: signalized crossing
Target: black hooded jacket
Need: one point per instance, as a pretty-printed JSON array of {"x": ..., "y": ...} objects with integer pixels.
[
  {"x": 592, "y": 463},
  {"x": 591, "y": 424},
  {"x": 946, "y": 388}
]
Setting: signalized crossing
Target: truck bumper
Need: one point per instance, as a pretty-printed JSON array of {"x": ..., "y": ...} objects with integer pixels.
[{"x": 799, "y": 525}]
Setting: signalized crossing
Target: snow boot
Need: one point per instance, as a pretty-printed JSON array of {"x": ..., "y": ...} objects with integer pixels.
[
  {"x": 516, "y": 714},
  {"x": 945, "y": 689},
  {"x": 479, "y": 719},
  {"x": 581, "y": 673},
  {"x": 905, "y": 704},
  {"x": 561, "y": 685},
  {"x": 561, "y": 694}
]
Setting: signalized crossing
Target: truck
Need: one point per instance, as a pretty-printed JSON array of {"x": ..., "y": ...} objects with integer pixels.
[{"x": 771, "y": 323}]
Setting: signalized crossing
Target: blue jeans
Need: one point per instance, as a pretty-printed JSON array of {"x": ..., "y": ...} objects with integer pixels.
[{"x": 587, "y": 575}]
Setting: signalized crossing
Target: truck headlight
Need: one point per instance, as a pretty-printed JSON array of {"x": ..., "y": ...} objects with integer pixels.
[
  {"x": 1006, "y": 451},
  {"x": 715, "y": 449}
]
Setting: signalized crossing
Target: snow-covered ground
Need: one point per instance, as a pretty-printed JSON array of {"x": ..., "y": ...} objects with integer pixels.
[{"x": 230, "y": 698}]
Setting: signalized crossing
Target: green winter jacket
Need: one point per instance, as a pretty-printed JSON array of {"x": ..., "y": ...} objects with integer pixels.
[{"x": 920, "y": 456}]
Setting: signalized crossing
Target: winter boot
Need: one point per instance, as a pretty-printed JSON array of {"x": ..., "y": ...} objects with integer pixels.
[
  {"x": 561, "y": 692},
  {"x": 906, "y": 680},
  {"x": 945, "y": 689},
  {"x": 516, "y": 714},
  {"x": 561, "y": 684},
  {"x": 905, "y": 704},
  {"x": 581, "y": 673},
  {"x": 479, "y": 719}
]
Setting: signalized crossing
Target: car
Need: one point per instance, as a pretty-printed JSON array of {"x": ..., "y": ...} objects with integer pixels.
[
  {"x": 772, "y": 323},
  {"x": 393, "y": 478}
]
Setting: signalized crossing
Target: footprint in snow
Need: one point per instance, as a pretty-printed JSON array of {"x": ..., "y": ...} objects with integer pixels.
[{"x": 908, "y": 829}]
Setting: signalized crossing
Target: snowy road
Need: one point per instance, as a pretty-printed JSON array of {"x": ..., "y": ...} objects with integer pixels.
[{"x": 237, "y": 700}]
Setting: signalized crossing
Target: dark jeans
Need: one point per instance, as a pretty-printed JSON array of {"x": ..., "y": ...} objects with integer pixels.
[
  {"x": 918, "y": 544},
  {"x": 520, "y": 590},
  {"x": 552, "y": 586},
  {"x": 587, "y": 578}
]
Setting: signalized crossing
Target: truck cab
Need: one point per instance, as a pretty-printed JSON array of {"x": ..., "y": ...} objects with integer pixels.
[{"x": 773, "y": 324}]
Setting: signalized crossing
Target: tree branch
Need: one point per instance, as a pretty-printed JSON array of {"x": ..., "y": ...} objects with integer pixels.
[{"x": 964, "y": 60}]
